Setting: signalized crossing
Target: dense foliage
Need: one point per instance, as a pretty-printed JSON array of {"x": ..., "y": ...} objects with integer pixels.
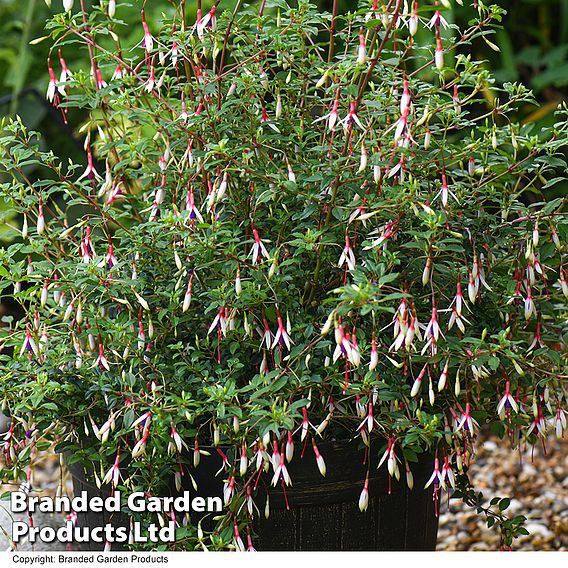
[{"x": 297, "y": 237}]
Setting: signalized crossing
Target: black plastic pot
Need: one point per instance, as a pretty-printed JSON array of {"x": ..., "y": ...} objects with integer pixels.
[{"x": 319, "y": 513}]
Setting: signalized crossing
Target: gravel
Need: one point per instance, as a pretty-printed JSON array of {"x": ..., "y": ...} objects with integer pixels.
[{"x": 537, "y": 484}]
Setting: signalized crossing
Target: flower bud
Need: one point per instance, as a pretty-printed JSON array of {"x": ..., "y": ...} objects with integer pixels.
[
  {"x": 364, "y": 497},
  {"x": 439, "y": 54},
  {"x": 289, "y": 448}
]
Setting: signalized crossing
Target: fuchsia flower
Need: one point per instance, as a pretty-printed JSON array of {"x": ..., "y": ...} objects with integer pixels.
[
  {"x": 90, "y": 172},
  {"x": 347, "y": 256},
  {"x": 113, "y": 193},
  {"x": 432, "y": 333},
  {"x": 456, "y": 99},
  {"x": 413, "y": 20},
  {"x": 52, "y": 85},
  {"x": 101, "y": 359},
  {"x": 466, "y": 422},
  {"x": 239, "y": 544},
  {"x": 281, "y": 472},
  {"x": 65, "y": 73},
  {"x": 266, "y": 336},
  {"x": 364, "y": 497},
  {"x": 191, "y": 207},
  {"x": 110, "y": 258},
  {"x": 141, "y": 335},
  {"x": 436, "y": 478},
  {"x": 374, "y": 361},
  {"x": 385, "y": 232},
  {"x": 530, "y": 308},
  {"x": 147, "y": 40},
  {"x": 220, "y": 321},
  {"x": 86, "y": 247},
  {"x": 401, "y": 124},
  {"x": 151, "y": 81},
  {"x": 445, "y": 192},
  {"x": 208, "y": 22},
  {"x": 113, "y": 474},
  {"x": 140, "y": 446},
  {"x": 436, "y": 20},
  {"x": 174, "y": 53},
  {"x": 507, "y": 402},
  {"x": 176, "y": 443},
  {"x": 289, "y": 448},
  {"x": 418, "y": 381},
  {"x": 305, "y": 424},
  {"x": 351, "y": 118},
  {"x": 447, "y": 473},
  {"x": 333, "y": 116},
  {"x": 409, "y": 476},
  {"x": 281, "y": 336},
  {"x": 119, "y": 72},
  {"x": 361, "y": 50},
  {"x": 100, "y": 83},
  {"x": 439, "y": 54},
  {"x": 319, "y": 459},
  {"x": 250, "y": 547},
  {"x": 538, "y": 425},
  {"x": 391, "y": 459},
  {"x": 258, "y": 249},
  {"x": 560, "y": 422},
  {"x": 343, "y": 345},
  {"x": 368, "y": 422},
  {"x": 40, "y": 226},
  {"x": 443, "y": 377},
  {"x": 29, "y": 345},
  {"x": 184, "y": 115},
  {"x": 458, "y": 299}
]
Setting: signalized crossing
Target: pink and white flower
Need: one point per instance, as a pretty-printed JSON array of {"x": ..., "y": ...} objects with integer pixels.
[
  {"x": 436, "y": 477},
  {"x": 347, "y": 256},
  {"x": 436, "y": 21},
  {"x": 29, "y": 344},
  {"x": 319, "y": 459},
  {"x": 466, "y": 422},
  {"x": 333, "y": 116},
  {"x": 101, "y": 359},
  {"x": 364, "y": 497},
  {"x": 258, "y": 249},
  {"x": 281, "y": 337},
  {"x": 351, "y": 118},
  {"x": 507, "y": 402}
]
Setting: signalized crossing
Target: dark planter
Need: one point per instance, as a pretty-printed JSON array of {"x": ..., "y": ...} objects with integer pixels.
[
  {"x": 323, "y": 512},
  {"x": 91, "y": 519}
]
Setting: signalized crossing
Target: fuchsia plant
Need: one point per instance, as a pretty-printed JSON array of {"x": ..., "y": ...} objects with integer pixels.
[{"x": 310, "y": 227}]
